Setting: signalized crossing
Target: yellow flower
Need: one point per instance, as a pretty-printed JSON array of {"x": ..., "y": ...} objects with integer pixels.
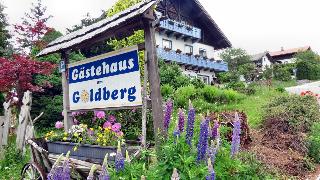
[
  {"x": 80, "y": 139},
  {"x": 98, "y": 140},
  {"x": 64, "y": 138},
  {"x": 91, "y": 129},
  {"x": 76, "y": 134},
  {"x": 65, "y": 134},
  {"x": 75, "y": 148}
]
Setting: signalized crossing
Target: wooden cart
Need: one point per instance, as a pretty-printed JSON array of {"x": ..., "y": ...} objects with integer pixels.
[{"x": 42, "y": 162}]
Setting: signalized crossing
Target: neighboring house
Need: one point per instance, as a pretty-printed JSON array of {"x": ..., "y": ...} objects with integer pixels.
[
  {"x": 287, "y": 55},
  {"x": 266, "y": 59},
  {"x": 188, "y": 36},
  {"x": 262, "y": 60}
]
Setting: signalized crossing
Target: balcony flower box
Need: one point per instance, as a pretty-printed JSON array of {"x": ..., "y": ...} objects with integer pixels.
[
  {"x": 189, "y": 54},
  {"x": 189, "y": 28},
  {"x": 167, "y": 49},
  {"x": 178, "y": 51}
]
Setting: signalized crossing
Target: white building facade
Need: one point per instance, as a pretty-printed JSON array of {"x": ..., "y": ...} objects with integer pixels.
[{"x": 191, "y": 43}]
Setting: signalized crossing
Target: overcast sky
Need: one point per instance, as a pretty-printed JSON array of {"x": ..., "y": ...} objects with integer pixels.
[{"x": 255, "y": 25}]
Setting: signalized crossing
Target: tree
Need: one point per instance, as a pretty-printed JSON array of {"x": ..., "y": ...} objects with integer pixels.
[
  {"x": 235, "y": 57},
  {"x": 4, "y": 34},
  {"x": 18, "y": 73},
  {"x": 33, "y": 26},
  {"x": 308, "y": 65}
]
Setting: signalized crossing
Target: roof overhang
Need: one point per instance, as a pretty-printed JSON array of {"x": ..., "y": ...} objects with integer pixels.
[{"x": 120, "y": 25}]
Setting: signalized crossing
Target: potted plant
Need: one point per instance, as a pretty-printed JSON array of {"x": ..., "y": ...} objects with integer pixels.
[
  {"x": 88, "y": 143},
  {"x": 197, "y": 56},
  {"x": 178, "y": 51}
]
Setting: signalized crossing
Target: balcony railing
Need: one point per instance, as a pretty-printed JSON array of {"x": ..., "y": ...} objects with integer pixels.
[
  {"x": 191, "y": 60},
  {"x": 181, "y": 28}
]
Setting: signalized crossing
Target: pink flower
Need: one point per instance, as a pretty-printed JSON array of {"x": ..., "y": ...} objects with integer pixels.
[
  {"x": 134, "y": 110},
  {"x": 59, "y": 125},
  {"x": 100, "y": 114},
  {"x": 62, "y": 113},
  {"x": 75, "y": 121},
  {"x": 107, "y": 124},
  {"x": 120, "y": 134},
  {"x": 116, "y": 127},
  {"x": 111, "y": 118}
]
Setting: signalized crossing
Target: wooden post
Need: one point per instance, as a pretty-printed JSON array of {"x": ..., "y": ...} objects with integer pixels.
[
  {"x": 65, "y": 88},
  {"x": 144, "y": 103},
  {"x": 6, "y": 126},
  {"x": 2, "y": 119},
  {"x": 154, "y": 80},
  {"x": 24, "y": 120}
]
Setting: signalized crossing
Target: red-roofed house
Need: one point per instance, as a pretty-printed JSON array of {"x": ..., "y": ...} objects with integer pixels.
[{"x": 287, "y": 55}]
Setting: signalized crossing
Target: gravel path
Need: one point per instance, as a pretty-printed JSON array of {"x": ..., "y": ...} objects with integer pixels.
[{"x": 314, "y": 87}]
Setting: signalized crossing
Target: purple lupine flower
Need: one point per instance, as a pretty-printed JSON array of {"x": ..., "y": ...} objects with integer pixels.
[
  {"x": 190, "y": 124},
  {"x": 119, "y": 162},
  {"x": 215, "y": 129},
  {"x": 214, "y": 147},
  {"x": 203, "y": 139},
  {"x": 176, "y": 134},
  {"x": 235, "y": 144},
  {"x": 104, "y": 175},
  {"x": 66, "y": 169},
  {"x": 167, "y": 115},
  {"x": 211, "y": 175},
  {"x": 181, "y": 120}
]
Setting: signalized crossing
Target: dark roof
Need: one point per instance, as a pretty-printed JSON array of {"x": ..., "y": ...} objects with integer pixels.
[
  {"x": 258, "y": 57},
  {"x": 83, "y": 35},
  {"x": 290, "y": 51},
  {"x": 221, "y": 41}
]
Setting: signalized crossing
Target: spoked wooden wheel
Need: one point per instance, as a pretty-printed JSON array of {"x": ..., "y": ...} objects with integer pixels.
[{"x": 32, "y": 171}]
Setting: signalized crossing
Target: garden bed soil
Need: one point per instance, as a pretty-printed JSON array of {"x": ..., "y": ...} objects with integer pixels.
[{"x": 274, "y": 148}]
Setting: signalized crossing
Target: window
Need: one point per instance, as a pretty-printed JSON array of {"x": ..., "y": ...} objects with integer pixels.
[
  {"x": 166, "y": 44},
  {"x": 188, "y": 49},
  {"x": 202, "y": 52},
  {"x": 204, "y": 79}
]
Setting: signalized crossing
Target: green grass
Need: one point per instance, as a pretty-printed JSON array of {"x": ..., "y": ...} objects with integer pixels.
[
  {"x": 11, "y": 161},
  {"x": 253, "y": 105}
]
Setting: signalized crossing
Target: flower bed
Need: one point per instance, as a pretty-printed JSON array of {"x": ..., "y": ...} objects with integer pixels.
[{"x": 88, "y": 142}]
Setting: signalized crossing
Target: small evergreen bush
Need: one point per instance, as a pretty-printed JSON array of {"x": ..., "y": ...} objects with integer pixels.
[
  {"x": 184, "y": 94},
  {"x": 314, "y": 142}
]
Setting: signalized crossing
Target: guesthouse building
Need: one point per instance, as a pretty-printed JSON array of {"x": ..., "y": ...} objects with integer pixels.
[{"x": 188, "y": 36}]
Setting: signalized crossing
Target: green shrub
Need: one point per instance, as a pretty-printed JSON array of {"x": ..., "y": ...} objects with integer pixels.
[
  {"x": 314, "y": 142},
  {"x": 212, "y": 94},
  {"x": 298, "y": 112},
  {"x": 231, "y": 96},
  {"x": 167, "y": 91},
  {"x": 241, "y": 87},
  {"x": 282, "y": 74},
  {"x": 226, "y": 77},
  {"x": 308, "y": 70},
  {"x": 280, "y": 89},
  {"x": 183, "y": 94},
  {"x": 203, "y": 106}
]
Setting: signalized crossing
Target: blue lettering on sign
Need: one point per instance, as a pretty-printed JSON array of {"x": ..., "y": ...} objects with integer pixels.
[
  {"x": 110, "y": 66},
  {"x": 104, "y": 94}
]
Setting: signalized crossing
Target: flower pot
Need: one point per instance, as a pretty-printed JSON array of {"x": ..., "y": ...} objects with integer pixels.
[{"x": 85, "y": 152}]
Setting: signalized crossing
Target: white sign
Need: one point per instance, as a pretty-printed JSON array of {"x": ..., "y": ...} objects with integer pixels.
[{"x": 107, "y": 80}]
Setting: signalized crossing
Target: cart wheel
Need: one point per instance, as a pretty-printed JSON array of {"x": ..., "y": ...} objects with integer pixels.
[{"x": 32, "y": 171}]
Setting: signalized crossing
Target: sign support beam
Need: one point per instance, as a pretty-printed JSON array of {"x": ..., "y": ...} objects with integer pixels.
[
  {"x": 154, "y": 80},
  {"x": 65, "y": 88}
]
